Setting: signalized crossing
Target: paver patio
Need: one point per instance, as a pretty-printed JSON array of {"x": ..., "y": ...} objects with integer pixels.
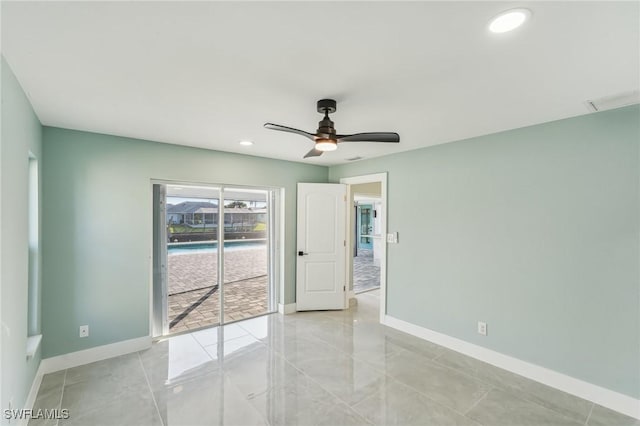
[
  {"x": 194, "y": 298},
  {"x": 194, "y": 271},
  {"x": 201, "y": 308}
]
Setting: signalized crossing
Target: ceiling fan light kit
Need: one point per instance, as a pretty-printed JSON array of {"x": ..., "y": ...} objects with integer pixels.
[
  {"x": 326, "y": 138},
  {"x": 326, "y": 145}
]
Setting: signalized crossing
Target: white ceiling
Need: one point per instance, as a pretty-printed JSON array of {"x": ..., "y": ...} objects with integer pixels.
[{"x": 209, "y": 74}]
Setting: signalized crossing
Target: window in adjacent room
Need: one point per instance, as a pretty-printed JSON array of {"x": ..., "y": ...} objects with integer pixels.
[{"x": 33, "y": 219}]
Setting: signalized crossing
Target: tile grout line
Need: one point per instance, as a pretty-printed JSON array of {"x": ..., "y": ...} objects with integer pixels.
[
  {"x": 464, "y": 372},
  {"x": 419, "y": 392},
  {"x": 475, "y": 404},
  {"x": 204, "y": 347},
  {"x": 227, "y": 380},
  {"x": 586, "y": 422},
  {"x": 424, "y": 395},
  {"x": 224, "y": 376},
  {"x": 335, "y": 346},
  {"x": 64, "y": 383},
  {"x": 259, "y": 339},
  {"x": 153, "y": 397},
  {"x": 200, "y": 344},
  {"x": 523, "y": 397},
  {"x": 440, "y": 355},
  {"x": 371, "y": 365},
  {"x": 521, "y": 394},
  {"x": 326, "y": 390}
]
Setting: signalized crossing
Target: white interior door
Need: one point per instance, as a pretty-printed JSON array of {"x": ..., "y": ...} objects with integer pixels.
[{"x": 320, "y": 272}]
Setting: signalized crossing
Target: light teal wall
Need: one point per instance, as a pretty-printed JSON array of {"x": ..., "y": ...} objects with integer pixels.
[
  {"x": 21, "y": 133},
  {"x": 97, "y": 227},
  {"x": 535, "y": 231}
]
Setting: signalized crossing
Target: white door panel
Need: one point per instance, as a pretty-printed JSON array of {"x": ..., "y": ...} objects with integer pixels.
[
  {"x": 320, "y": 276},
  {"x": 320, "y": 216}
]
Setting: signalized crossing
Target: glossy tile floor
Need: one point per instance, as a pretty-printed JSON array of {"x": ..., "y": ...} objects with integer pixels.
[
  {"x": 317, "y": 368},
  {"x": 366, "y": 275}
]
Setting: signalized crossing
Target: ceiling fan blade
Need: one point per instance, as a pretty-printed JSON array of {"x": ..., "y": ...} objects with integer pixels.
[
  {"x": 313, "y": 153},
  {"x": 371, "y": 137},
  {"x": 280, "y": 128}
]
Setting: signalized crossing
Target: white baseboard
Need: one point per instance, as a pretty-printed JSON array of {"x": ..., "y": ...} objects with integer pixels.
[
  {"x": 33, "y": 394},
  {"x": 86, "y": 356},
  {"x": 289, "y": 308},
  {"x": 602, "y": 396}
]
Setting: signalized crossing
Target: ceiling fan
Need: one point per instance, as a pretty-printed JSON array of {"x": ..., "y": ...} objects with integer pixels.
[{"x": 326, "y": 138}]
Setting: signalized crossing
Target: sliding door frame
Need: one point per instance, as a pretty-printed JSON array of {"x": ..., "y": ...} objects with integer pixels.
[{"x": 159, "y": 302}]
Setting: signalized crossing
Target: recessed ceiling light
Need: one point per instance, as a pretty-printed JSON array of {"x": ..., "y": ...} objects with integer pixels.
[
  {"x": 246, "y": 143},
  {"x": 509, "y": 20}
]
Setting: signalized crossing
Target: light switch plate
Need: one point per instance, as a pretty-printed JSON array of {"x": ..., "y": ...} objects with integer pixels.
[{"x": 392, "y": 238}]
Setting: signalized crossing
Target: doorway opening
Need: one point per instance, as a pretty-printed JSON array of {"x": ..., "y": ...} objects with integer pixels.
[
  {"x": 214, "y": 255},
  {"x": 366, "y": 239}
]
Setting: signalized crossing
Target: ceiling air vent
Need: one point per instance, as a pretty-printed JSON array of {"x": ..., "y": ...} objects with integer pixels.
[
  {"x": 354, "y": 158},
  {"x": 614, "y": 101}
]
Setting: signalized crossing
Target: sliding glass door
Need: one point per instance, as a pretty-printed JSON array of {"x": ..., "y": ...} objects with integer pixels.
[
  {"x": 213, "y": 255},
  {"x": 246, "y": 253}
]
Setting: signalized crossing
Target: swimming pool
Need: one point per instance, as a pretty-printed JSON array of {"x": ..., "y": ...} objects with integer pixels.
[{"x": 212, "y": 246}]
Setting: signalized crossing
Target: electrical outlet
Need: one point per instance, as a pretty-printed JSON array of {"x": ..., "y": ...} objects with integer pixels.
[
  {"x": 482, "y": 328},
  {"x": 84, "y": 331},
  {"x": 392, "y": 238}
]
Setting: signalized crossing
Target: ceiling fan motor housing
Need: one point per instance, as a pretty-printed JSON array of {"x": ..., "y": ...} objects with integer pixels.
[
  {"x": 326, "y": 106},
  {"x": 326, "y": 129}
]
